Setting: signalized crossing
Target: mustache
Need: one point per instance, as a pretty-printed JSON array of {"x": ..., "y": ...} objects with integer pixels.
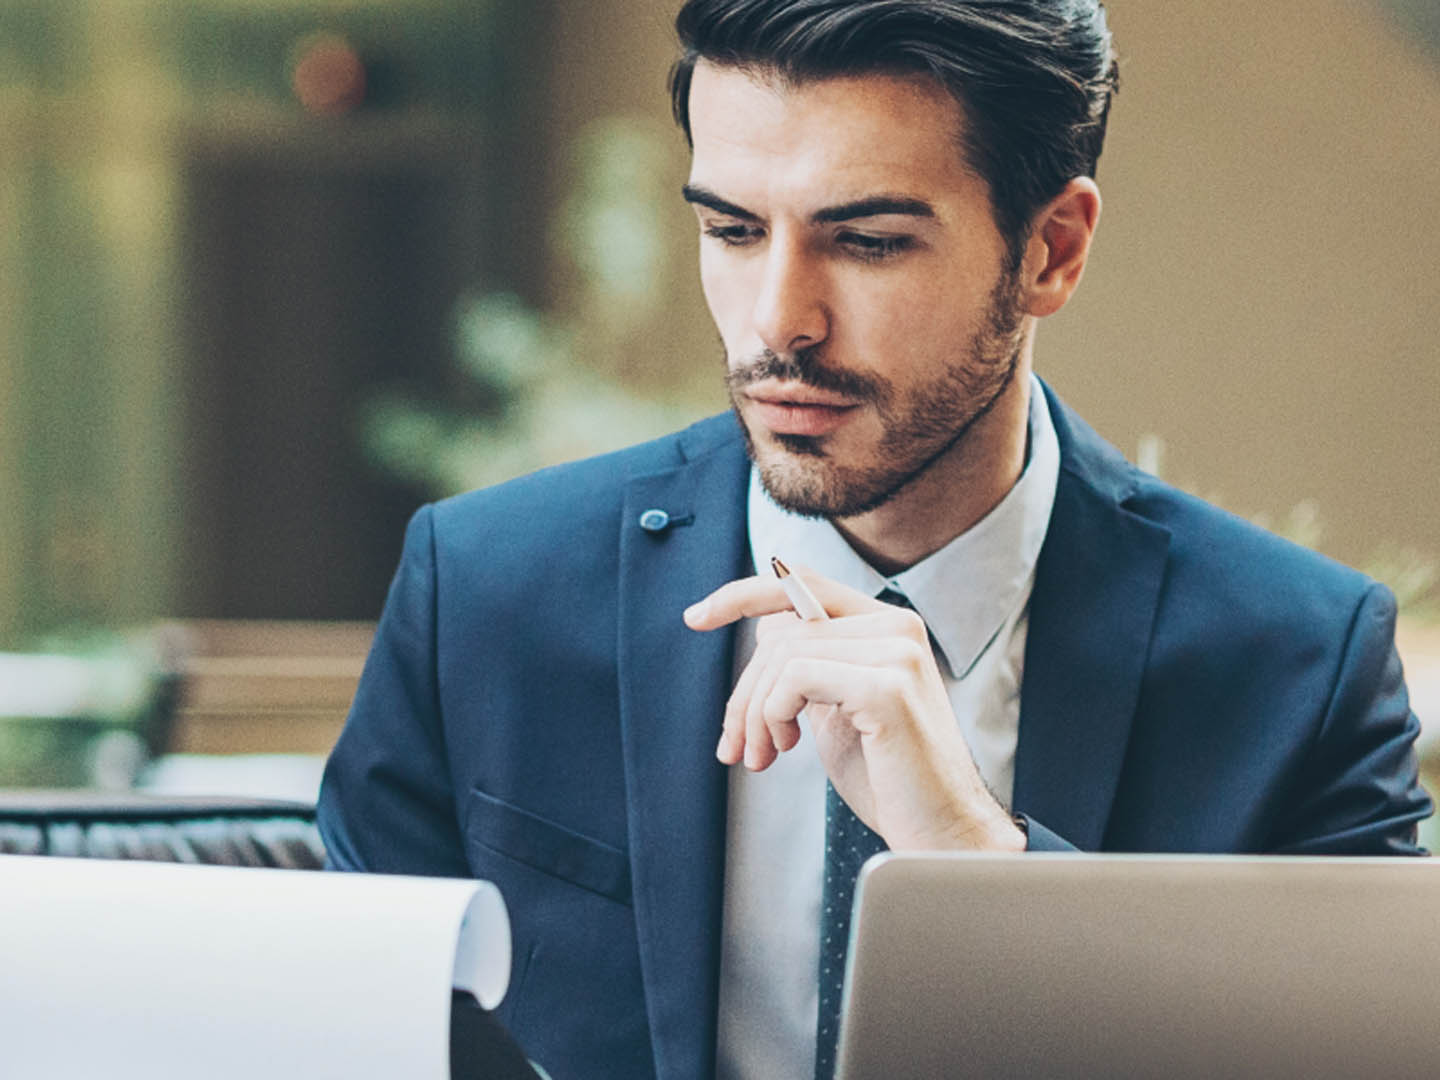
[{"x": 801, "y": 367}]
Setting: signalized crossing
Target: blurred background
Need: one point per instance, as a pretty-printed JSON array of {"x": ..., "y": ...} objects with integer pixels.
[{"x": 275, "y": 272}]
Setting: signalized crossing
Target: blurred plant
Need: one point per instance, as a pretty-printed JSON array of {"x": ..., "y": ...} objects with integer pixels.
[
  {"x": 609, "y": 225},
  {"x": 1410, "y": 574},
  {"x": 88, "y": 708},
  {"x": 546, "y": 387},
  {"x": 1301, "y": 524}
]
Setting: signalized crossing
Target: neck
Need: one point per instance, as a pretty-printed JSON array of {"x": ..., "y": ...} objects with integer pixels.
[{"x": 957, "y": 490}]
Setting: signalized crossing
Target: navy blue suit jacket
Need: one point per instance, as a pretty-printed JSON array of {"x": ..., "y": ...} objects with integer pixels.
[{"x": 535, "y": 713}]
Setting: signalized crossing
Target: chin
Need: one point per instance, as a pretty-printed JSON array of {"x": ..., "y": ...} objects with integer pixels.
[
  {"x": 806, "y": 474},
  {"x": 813, "y": 486}
]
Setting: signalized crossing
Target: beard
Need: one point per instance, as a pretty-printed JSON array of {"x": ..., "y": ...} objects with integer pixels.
[{"x": 920, "y": 425}]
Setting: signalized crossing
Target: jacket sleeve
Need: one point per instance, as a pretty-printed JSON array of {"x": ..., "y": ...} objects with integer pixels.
[
  {"x": 1353, "y": 787},
  {"x": 1039, "y": 838},
  {"x": 1359, "y": 792},
  {"x": 386, "y": 803}
]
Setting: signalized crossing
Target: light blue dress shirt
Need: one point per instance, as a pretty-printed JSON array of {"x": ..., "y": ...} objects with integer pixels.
[{"x": 974, "y": 595}]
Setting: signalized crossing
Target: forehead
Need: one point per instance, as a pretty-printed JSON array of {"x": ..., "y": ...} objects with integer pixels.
[{"x": 836, "y": 137}]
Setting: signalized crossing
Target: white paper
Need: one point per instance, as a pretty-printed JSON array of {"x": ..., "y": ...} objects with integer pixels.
[{"x": 122, "y": 969}]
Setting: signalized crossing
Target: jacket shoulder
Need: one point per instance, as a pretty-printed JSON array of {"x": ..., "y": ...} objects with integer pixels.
[
  {"x": 1216, "y": 559},
  {"x": 581, "y": 494},
  {"x": 1240, "y": 567}
]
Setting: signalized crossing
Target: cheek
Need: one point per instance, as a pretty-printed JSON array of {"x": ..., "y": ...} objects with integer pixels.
[
  {"x": 890, "y": 319},
  {"x": 726, "y": 297},
  {"x": 911, "y": 315}
]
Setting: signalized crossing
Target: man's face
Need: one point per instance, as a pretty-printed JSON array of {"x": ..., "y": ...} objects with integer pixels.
[{"x": 858, "y": 281}]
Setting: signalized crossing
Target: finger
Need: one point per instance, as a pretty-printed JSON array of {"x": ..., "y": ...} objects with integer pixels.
[
  {"x": 751, "y": 734},
  {"x": 741, "y": 724},
  {"x": 885, "y": 651},
  {"x": 838, "y": 600},
  {"x": 886, "y": 621},
  {"x": 737, "y": 722},
  {"x": 768, "y": 736},
  {"x": 749, "y": 597},
  {"x": 854, "y": 690},
  {"x": 760, "y": 745},
  {"x": 731, "y": 748},
  {"x": 785, "y": 734},
  {"x": 769, "y": 627},
  {"x": 771, "y": 729},
  {"x": 763, "y": 594}
]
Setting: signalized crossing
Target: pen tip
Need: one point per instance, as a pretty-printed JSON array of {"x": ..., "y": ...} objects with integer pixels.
[{"x": 781, "y": 570}]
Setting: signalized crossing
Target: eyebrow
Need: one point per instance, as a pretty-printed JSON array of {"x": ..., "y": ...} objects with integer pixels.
[
  {"x": 873, "y": 206},
  {"x": 701, "y": 196}
]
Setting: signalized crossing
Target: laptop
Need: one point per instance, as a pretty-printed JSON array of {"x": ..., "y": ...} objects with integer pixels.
[{"x": 1142, "y": 966}]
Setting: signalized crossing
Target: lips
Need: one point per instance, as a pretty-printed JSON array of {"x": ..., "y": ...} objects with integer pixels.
[{"x": 800, "y": 410}]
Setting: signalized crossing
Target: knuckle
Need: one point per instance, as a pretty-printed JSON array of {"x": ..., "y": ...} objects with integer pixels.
[
  {"x": 913, "y": 655},
  {"x": 914, "y": 625},
  {"x": 777, "y": 706}
]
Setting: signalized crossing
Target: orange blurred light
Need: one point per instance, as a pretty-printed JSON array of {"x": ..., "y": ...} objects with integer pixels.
[{"x": 329, "y": 76}]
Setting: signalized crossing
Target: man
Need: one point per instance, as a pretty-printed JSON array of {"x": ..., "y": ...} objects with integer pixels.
[{"x": 890, "y": 194}]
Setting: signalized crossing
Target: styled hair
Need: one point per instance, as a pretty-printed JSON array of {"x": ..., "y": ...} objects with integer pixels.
[{"x": 1034, "y": 78}]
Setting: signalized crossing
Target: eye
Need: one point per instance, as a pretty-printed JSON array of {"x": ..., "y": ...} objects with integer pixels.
[
  {"x": 733, "y": 235},
  {"x": 875, "y": 248}
]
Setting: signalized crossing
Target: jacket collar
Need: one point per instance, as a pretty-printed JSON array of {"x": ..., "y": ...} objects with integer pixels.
[
  {"x": 1097, "y": 586},
  {"x": 673, "y": 685}
]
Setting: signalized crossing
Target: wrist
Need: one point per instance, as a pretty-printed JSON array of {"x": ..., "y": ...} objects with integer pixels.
[{"x": 995, "y": 831}]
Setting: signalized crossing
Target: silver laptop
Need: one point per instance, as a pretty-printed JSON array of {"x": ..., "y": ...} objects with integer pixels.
[{"x": 1142, "y": 966}]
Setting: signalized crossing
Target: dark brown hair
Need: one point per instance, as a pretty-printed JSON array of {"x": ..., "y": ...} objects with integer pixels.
[{"x": 1033, "y": 77}]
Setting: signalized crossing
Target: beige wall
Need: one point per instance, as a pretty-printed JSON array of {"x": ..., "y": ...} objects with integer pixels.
[
  {"x": 1269, "y": 253},
  {"x": 1270, "y": 250}
]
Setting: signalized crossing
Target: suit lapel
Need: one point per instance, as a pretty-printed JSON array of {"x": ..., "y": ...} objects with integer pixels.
[
  {"x": 1097, "y": 585},
  {"x": 673, "y": 686}
]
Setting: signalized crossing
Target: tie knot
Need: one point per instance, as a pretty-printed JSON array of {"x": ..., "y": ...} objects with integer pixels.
[{"x": 895, "y": 597}]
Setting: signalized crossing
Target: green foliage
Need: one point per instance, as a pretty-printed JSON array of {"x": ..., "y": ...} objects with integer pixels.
[
  {"x": 87, "y": 708},
  {"x": 1412, "y": 576},
  {"x": 544, "y": 387}
]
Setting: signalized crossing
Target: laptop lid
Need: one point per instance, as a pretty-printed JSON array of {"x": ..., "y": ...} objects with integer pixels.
[{"x": 1142, "y": 966}]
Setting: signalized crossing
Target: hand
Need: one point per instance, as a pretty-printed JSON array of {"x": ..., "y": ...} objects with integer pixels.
[{"x": 877, "y": 706}]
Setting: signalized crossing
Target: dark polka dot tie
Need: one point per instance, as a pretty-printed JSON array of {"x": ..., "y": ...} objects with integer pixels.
[{"x": 848, "y": 843}]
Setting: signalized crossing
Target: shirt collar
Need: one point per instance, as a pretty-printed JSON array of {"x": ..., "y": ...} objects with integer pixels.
[{"x": 965, "y": 591}]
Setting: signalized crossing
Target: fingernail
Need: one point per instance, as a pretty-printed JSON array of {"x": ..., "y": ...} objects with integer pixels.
[{"x": 696, "y": 611}]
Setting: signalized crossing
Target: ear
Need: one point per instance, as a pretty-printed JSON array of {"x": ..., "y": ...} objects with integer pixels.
[{"x": 1059, "y": 246}]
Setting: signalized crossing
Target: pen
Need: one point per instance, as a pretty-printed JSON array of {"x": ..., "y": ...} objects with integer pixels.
[
  {"x": 809, "y": 609},
  {"x": 803, "y": 600}
]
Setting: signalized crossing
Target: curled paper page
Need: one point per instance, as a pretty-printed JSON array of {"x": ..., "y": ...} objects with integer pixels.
[{"x": 155, "y": 970}]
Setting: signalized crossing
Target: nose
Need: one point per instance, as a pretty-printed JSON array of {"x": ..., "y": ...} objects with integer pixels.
[{"x": 791, "y": 311}]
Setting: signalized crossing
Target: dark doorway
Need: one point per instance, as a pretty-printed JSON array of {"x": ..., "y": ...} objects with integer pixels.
[{"x": 317, "y": 270}]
